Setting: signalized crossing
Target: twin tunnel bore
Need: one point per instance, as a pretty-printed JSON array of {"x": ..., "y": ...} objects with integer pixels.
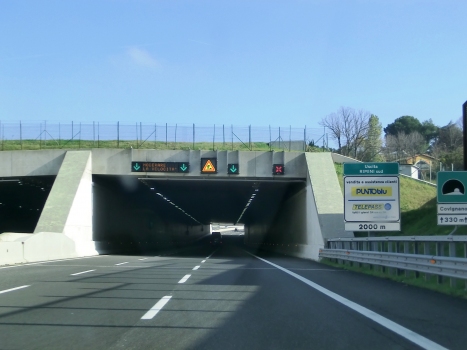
[{"x": 142, "y": 213}]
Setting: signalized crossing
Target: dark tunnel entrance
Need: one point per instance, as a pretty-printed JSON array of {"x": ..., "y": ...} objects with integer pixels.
[
  {"x": 21, "y": 202},
  {"x": 144, "y": 213}
]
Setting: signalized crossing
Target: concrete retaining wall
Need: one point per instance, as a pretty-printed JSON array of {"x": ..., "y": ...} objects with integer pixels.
[{"x": 43, "y": 246}]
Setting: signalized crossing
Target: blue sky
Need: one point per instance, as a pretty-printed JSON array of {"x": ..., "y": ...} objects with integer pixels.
[{"x": 235, "y": 62}]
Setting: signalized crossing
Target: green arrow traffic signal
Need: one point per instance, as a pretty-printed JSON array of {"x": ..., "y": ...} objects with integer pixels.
[
  {"x": 136, "y": 167},
  {"x": 183, "y": 168},
  {"x": 233, "y": 169}
]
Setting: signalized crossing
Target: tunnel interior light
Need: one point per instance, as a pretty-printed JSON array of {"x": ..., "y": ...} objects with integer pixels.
[
  {"x": 176, "y": 206},
  {"x": 247, "y": 205}
]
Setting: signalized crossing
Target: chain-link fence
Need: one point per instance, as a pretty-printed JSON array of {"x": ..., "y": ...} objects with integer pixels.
[{"x": 44, "y": 135}]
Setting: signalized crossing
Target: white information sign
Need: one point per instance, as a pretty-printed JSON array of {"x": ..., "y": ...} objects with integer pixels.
[
  {"x": 452, "y": 208},
  {"x": 452, "y": 220},
  {"x": 371, "y": 203}
]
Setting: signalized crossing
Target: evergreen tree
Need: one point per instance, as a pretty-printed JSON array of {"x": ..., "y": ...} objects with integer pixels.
[{"x": 373, "y": 142}]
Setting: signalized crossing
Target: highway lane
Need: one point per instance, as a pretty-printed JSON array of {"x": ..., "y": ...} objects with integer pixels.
[{"x": 227, "y": 300}]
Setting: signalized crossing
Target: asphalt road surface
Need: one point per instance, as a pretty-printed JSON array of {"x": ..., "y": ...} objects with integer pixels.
[{"x": 226, "y": 297}]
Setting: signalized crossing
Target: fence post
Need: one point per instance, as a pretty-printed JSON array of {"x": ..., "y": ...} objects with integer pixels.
[
  {"x": 426, "y": 251},
  {"x": 406, "y": 251},
  {"x": 304, "y": 139},
  {"x": 136, "y": 134},
  {"x": 118, "y": 134},
  {"x": 270, "y": 138},
  {"x": 391, "y": 270},
  {"x": 465, "y": 256},
  {"x": 415, "y": 250},
  {"x": 279, "y": 137},
  {"x": 290, "y": 138},
  {"x": 397, "y": 250},
  {"x": 439, "y": 253},
  {"x": 452, "y": 253}
]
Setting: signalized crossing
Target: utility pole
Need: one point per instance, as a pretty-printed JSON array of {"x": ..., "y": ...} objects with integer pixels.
[{"x": 464, "y": 131}]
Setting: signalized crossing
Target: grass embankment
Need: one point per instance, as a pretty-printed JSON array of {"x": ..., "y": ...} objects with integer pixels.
[
  {"x": 16, "y": 145},
  {"x": 418, "y": 218}
]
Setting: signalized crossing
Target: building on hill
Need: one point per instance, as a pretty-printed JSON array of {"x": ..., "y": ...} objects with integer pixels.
[{"x": 423, "y": 162}]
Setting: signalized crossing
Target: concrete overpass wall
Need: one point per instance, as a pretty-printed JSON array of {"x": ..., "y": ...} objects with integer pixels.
[
  {"x": 31, "y": 163},
  {"x": 305, "y": 219},
  {"x": 118, "y": 162}
]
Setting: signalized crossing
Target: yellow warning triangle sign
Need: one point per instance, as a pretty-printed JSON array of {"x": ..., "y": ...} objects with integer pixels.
[{"x": 209, "y": 167}]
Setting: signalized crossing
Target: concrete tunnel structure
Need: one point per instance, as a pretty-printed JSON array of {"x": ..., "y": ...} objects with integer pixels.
[{"x": 61, "y": 203}]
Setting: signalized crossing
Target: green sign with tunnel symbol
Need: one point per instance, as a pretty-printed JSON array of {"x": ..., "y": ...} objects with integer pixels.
[{"x": 452, "y": 187}]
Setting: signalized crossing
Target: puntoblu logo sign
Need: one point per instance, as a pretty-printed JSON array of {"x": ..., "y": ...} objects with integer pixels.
[{"x": 371, "y": 191}]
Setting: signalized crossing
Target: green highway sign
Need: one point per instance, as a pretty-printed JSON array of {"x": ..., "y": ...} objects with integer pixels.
[
  {"x": 371, "y": 169},
  {"x": 233, "y": 169},
  {"x": 452, "y": 186}
]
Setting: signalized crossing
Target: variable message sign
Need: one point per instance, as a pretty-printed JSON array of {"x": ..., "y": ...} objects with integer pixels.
[{"x": 160, "y": 167}]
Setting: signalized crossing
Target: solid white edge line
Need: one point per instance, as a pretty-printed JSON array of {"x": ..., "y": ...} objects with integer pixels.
[
  {"x": 122, "y": 263},
  {"x": 196, "y": 267},
  {"x": 184, "y": 279},
  {"x": 12, "y": 289},
  {"x": 156, "y": 308},
  {"x": 142, "y": 259},
  {"x": 406, "y": 333},
  {"x": 80, "y": 273}
]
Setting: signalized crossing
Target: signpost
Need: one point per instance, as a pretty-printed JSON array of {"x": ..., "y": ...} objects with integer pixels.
[
  {"x": 452, "y": 198},
  {"x": 371, "y": 197},
  {"x": 160, "y": 167}
]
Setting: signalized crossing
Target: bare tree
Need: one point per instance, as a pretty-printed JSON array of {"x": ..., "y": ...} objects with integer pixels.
[
  {"x": 357, "y": 130},
  {"x": 348, "y": 128},
  {"x": 335, "y": 124},
  {"x": 404, "y": 145}
]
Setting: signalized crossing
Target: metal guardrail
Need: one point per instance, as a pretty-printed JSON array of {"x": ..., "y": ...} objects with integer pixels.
[
  {"x": 434, "y": 255},
  {"x": 436, "y": 265}
]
